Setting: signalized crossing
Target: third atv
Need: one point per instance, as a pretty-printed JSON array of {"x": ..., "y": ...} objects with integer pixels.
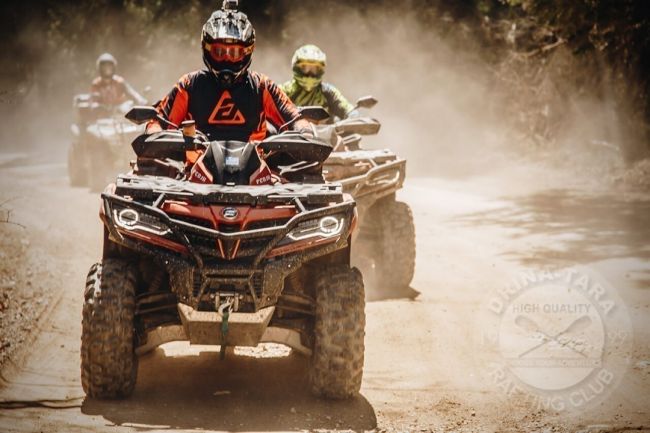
[
  {"x": 100, "y": 146},
  {"x": 387, "y": 233}
]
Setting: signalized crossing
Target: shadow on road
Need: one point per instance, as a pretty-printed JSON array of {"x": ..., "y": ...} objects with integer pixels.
[
  {"x": 375, "y": 291},
  {"x": 238, "y": 394},
  {"x": 379, "y": 294},
  {"x": 566, "y": 226}
]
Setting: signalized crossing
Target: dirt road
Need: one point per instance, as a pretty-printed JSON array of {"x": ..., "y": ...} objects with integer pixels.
[{"x": 430, "y": 354}]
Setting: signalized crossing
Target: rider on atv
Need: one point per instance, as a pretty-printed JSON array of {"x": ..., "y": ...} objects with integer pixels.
[
  {"x": 109, "y": 88},
  {"x": 226, "y": 100},
  {"x": 307, "y": 87}
]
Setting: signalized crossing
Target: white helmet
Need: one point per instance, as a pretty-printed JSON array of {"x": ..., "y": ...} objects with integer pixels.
[{"x": 104, "y": 59}]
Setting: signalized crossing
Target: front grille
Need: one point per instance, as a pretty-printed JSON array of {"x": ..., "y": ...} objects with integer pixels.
[
  {"x": 255, "y": 225},
  {"x": 208, "y": 246},
  {"x": 205, "y": 245},
  {"x": 193, "y": 220},
  {"x": 203, "y": 242},
  {"x": 229, "y": 228},
  {"x": 252, "y": 247}
]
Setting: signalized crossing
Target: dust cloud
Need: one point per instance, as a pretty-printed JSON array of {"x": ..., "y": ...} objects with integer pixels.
[
  {"x": 443, "y": 105},
  {"x": 433, "y": 98},
  {"x": 453, "y": 107}
]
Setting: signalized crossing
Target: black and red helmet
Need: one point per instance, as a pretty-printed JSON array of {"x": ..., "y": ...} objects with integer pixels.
[{"x": 228, "y": 41}]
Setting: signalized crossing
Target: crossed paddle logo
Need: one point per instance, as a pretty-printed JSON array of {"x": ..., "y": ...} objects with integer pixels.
[{"x": 577, "y": 325}]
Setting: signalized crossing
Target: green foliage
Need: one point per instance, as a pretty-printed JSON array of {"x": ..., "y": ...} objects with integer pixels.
[
  {"x": 618, "y": 30},
  {"x": 51, "y": 45}
]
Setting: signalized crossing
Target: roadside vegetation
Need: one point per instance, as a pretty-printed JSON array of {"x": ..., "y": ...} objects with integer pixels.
[{"x": 555, "y": 61}]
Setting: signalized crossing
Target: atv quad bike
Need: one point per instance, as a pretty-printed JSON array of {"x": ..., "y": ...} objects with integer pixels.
[
  {"x": 234, "y": 261},
  {"x": 99, "y": 149},
  {"x": 386, "y": 243}
]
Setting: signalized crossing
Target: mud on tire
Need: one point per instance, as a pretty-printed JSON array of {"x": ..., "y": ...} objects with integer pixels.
[
  {"x": 337, "y": 361},
  {"x": 395, "y": 249},
  {"x": 109, "y": 365}
]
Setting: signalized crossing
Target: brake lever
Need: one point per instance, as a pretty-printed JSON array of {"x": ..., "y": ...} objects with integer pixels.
[{"x": 166, "y": 122}]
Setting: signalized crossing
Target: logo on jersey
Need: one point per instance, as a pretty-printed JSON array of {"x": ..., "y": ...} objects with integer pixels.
[{"x": 225, "y": 112}]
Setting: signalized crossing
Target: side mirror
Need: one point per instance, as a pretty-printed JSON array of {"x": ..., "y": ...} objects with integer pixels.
[
  {"x": 141, "y": 114},
  {"x": 314, "y": 113},
  {"x": 146, "y": 90},
  {"x": 366, "y": 102}
]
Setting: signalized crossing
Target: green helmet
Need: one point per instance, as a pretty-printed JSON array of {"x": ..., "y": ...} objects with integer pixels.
[{"x": 308, "y": 64}]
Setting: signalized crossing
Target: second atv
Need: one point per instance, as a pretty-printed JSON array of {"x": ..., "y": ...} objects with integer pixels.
[{"x": 386, "y": 243}]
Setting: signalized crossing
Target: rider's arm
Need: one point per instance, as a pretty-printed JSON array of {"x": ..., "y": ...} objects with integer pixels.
[
  {"x": 339, "y": 106},
  {"x": 95, "y": 92},
  {"x": 278, "y": 108},
  {"x": 94, "y": 86},
  {"x": 132, "y": 94},
  {"x": 288, "y": 88},
  {"x": 174, "y": 106}
]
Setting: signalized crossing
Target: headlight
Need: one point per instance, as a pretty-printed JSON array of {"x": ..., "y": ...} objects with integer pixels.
[
  {"x": 130, "y": 219},
  {"x": 326, "y": 227}
]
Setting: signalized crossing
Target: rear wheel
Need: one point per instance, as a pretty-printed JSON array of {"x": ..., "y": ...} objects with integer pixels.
[
  {"x": 76, "y": 170},
  {"x": 337, "y": 361},
  {"x": 109, "y": 365},
  {"x": 394, "y": 234}
]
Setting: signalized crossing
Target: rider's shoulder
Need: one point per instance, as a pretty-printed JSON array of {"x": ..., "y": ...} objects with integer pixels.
[
  {"x": 191, "y": 77},
  {"x": 328, "y": 87},
  {"x": 289, "y": 85},
  {"x": 259, "y": 78},
  {"x": 119, "y": 79}
]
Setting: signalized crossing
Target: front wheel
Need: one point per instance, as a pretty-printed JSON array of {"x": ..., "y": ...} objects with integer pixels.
[
  {"x": 337, "y": 361},
  {"x": 109, "y": 365}
]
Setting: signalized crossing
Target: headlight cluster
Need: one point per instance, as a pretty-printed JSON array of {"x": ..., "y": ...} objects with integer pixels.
[
  {"x": 325, "y": 227},
  {"x": 130, "y": 219}
]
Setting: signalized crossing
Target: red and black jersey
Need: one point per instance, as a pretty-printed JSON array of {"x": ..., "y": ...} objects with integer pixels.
[
  {"x": 114, "y": 91},
  {"x": 238, "y": 112}
]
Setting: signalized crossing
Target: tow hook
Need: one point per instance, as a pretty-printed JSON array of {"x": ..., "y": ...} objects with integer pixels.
[{"x": 225, "y": 304}]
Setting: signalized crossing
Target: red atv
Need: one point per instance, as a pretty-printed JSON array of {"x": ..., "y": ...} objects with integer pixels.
[{"x": 224, "y": 243}]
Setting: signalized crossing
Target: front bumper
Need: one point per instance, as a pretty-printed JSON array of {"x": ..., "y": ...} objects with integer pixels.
[
  {"x": 196, "y": 269},
  {"x": 244, "y": 329}
]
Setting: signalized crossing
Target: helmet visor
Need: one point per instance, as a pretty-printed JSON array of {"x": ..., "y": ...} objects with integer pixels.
[
  {"x": 224, "y": 52},
  {"x": 313, "y": 70},
  {"x": 106, "y": 69}
]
